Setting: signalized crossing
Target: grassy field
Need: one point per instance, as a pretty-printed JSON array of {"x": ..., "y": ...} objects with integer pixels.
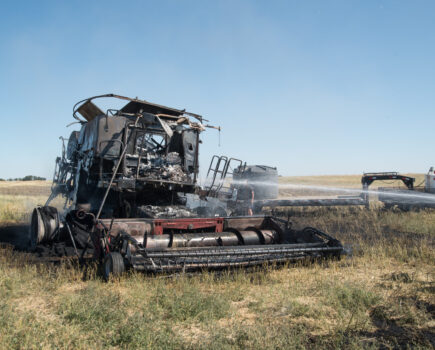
[
  {"x": 18, "y": 198},
  {"x": 383, "y": 296}
]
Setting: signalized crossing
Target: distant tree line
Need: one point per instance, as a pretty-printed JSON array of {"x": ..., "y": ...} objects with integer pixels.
[{"x": 25, "y": 178}]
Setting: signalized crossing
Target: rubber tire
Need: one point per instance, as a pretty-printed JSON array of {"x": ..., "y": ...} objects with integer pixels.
[
  {"x": 113, "y": 266},
  {"x": 72, "y": 145}
]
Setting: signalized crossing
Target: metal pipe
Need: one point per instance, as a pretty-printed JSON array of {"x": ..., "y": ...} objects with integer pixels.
[
  {"x": 212, "y": 239},
  {"x": 195, "y": 166},
  {"x": 72, "y": 239}
]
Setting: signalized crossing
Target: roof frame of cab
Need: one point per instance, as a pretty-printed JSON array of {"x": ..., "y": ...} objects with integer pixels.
[{"x": 89, "y": 110}]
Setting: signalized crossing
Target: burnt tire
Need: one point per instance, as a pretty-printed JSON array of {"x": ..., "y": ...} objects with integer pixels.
[
  {"x": 113, "y": 266},
  {"x": 44, "y": 225},
  {"x": 72, "y": 146}
]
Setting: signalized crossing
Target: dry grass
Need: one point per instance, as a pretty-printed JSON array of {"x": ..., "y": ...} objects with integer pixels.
[
  {"x": 29, "y": 188},
  {"x": 17, "y": 208},
  {"x": 18, "y": 198},
  {"x": 381, "y": 297}
]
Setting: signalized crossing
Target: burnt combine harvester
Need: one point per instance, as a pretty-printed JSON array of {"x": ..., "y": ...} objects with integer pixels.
[{"x": 126, "y": 177}]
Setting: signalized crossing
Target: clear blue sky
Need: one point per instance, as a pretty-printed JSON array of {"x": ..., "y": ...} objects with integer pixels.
[{"x": 312, "y": 87}]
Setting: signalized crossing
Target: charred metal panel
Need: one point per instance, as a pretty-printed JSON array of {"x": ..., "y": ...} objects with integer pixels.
[
  {"x": 110, "y": 132},
  {"x": 88, "y": 133},
  {"x": 89, "y": 111},
  {"x": 176, "y": 143},
  {"x": 189, "y": 148},
  {"x": 187, "y": 224},
  {"x": 138, "y": 106},
  {"x": 241, "y": 223}
]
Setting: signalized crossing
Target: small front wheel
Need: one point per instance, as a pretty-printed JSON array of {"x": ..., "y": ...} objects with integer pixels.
[{"x": 113, "y": 265}]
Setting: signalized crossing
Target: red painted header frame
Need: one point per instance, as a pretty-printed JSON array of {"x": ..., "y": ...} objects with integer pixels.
[{"x": 187, "y": 224}]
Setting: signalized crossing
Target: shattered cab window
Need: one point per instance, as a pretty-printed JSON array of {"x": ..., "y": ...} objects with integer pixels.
[{"x": 150, "y": 143}]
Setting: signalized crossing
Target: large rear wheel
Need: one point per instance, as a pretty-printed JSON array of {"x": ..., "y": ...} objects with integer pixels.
[{"x": 44, "y": 225}]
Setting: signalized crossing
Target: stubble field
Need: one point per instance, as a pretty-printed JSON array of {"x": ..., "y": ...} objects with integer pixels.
[{"x": 382, "y": 296}]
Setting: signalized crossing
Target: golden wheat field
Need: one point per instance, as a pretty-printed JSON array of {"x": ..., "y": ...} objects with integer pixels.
[{"x": 381, "y": 296}]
